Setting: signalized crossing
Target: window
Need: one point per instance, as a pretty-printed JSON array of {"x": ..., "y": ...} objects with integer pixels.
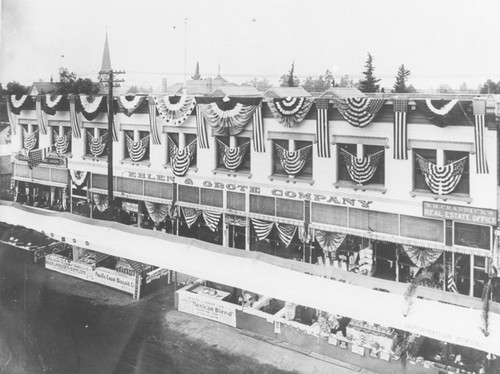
[
  {"x": 237, "y": 160},
  {"x": 136, "y": 145},
  {"x": 452, "y": 156},
  {"x": 303, "y": 162},
  {"x": 30, "y": 136},
  {"x": 61, "y": 139},
  {"x": 474, "y": 236},
  {"x": 182, "y": 140},
  {"x": 371, "y": 173},
  {"x": 96, "y": 142},
  {"x": 418, "y": 178}
]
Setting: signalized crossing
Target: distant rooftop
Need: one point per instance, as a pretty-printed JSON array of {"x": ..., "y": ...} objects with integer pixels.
[
  {"x": 39, "y": 88},
  {"x": 200, "y": 86},
  {"x": 287, "y": 92},
  {"x": 236, "y": 91},
  {"x": 342, "y": 93}
]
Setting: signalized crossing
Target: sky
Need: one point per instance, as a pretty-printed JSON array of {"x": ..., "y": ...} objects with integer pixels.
[{"x": 441, "y": 41}]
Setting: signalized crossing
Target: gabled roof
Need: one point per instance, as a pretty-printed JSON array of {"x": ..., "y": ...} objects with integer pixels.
[
  {"x": 342, "y": 93},
  {"x": 287, "y": 92},
  {"x": 38, "y": 88},
  {"x": 236, "y": 91},
  {"x": 200, "y": 86}
]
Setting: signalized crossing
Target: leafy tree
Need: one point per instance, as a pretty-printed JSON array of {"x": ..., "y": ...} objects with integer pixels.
[
  {"x": 401, "y": 78},
  {"x": 445, "y": 88},
  {"x": 69, "y": 84},
  {"x": 321, "y": 84},
  {"x": 16, "y": 88},
  {"x": 463, "y": 87},
  {"x": 345, "y": 81},
  {"x": 260, "y": 84},
  {"x": 141, "y": 89},
  {"x": 196, "y": 75},
  {"x": 289, "y": 80},
  {"x": 490, "y": 87},
  {"x": 369, "y": 83}
]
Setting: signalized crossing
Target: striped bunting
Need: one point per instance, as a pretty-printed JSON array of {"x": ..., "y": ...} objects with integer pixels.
[
  {"x": 329, "y": 241},
  {"x": 293, "y": 162},
  {"x": 262, "y": 228},
  {"x": 175, "y": 110},
  {"x": 190, "y": 215},
  {"x": 101, "y": 202},
  {"x": 232, "y": 157},
  {"x": 30, "y": 140},
  {"x": 180, "y": 159},
  {"x": 361, "y": 170},
  {"x": 359, "y": 111},
  {"x": 258, "y": 130},
  {"x": 440, "y": 112},
  {"x": 450, "y": 283},
  {"x": 12, "y": 118},
  {"x": 50, "y": 103},
  {"x": 286, "y": 232},
  {"x": 201, "y": 129},
  {"x": 157, "y": 212},
  {"x": 153, "y": 122},
  {"x": 39, "y": 115},
  {"x": 18, "y": 103},
  {"x": 91, "y": 106},
  {"x": 211, "y": 219},
  {"x": 290, "y": 111},
  {"x": 62, "y": 142},
  {"x": 129, "y": 103},
  {"x": 73, "y": 116},
  {"x": 97, "y": 145},
  {"x": 78, "y": 177},
  {"x": 137, "y": 150},
  {"x": 322, "y": 130},
  {"x": 400, "y": 129},
  {"x": 441, "y": 180},
  {"x": 479, "y": 108}
]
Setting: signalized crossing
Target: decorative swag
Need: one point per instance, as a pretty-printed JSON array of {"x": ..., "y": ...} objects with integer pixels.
[
  {"x": 440, "y": 112},
  {"x": 228, "y": 116},
  {"x": 137, "y": 150},
  {"x": 441, "y": 180},
  {"x": 290, "y": 111},
  {"x": 30, "y": 141},
  {"x": 422, "y": 257},
  {"x": 61, "y": 142},
  {"x": 329, "y": 241},
  {"x": 359, "y": 111},
  {"x": 211, "y": 218},
  {"x": 293, "y": 162},
  {"x": 18, "y": 103},
  {"x": 78, "y": 177},
  {"x": 91, "y": 106},
  {"x": 129, "y": 103},
  {"x": 263, "y": 229},
  {"x": 180, "y": 159},
  {"x": 97, "y": 145},
  {"x": 175, "y": 110},
  {"x": 158, "y": 212},
  {"x": 232, "y": 157},
  {"x": 52, "y": 103},
  {"x": 361, "y": 170},
  {"x": 101, "y": 202}
]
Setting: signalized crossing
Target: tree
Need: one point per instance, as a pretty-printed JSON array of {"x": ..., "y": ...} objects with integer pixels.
[
  {"x": 69, "y": 84},
  {"x": 345, "y": 81},
  {"x": 401, "y": 78},
  {"x": 289, "y": 80},
  {"x": 16, "y": 88},
  {"x": 141, "y": 89},
  {"x": 260, "y": 84},
  {"x": 197, "y": 75},
  {"x": 369, "y": 83},
  {"x": 463, "y": 87},
  {"x": 490, "y": 87},
  {"x": 321, "y": 84},
  {"x": 445, "y": 88}
]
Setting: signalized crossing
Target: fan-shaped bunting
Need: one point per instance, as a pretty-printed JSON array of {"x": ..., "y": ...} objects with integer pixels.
[
  {"x": 293, "y": 161},
  {"x": 440, "y": 112},
  {"x": 18, "y": 103},
  {"x": 286, "y": 232},
  {"x": 129, "y": 103},
  {"x": 62, "y": 142},
  {"x": 290, "y": 111},
  {"x": 329, "y": 241},
  {"x": 158, "y": 212},
  {"x": 441, "y": 180},
  {"x": 78, "y": 177},
  {"x": 180, "y": 159},
  {"x": 190, "y": 215},
  {"x": 361, "y": 170},
  {"x": 30, "y": 141},
  {"x": 98, "y": 144},
  {"x": 232, "y": 157},
  {"x": 51, "y": 103},
  {"x": 422, "y": 257},
  {"x": 91, "y": 106},
  {"x": 175, "y": 110},
  {"x": 137, "y": 150},
  {"x": 359, "y": 111}
]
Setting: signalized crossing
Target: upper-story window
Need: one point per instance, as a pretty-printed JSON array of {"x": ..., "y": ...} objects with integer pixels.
[
  {"x": 136, "y": 147},
  {"x": 61, "y": 139},
  {"x": 361, "y": 164},
  {"x": 30, "y": 136},
  {"x": 181, "y": 152},
  {"x": 292, "y": 158},
  {"x": 233, "y": 153},
  {"x": 96, "y": 142}
]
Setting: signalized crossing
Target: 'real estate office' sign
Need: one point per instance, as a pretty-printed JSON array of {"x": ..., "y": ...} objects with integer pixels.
[
  {"x": 478, "y": 216},
  {"x": 207, "y": 307}
]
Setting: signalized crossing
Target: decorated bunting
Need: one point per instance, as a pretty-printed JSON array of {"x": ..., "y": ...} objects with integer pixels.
[
  {"x": 359, "y": 111},
  {"x": 228, "y": 116},
  {"x": 97, "y": 145},
  {"x": 137, "y": 150},
  {"x": 175, "y": 110},
  {"x": 201, "y": 129},
  {"x": 262, "y": 228},
  {"x": 293, "y": 162},
  {"x": 39, "y": 115},
  {"x": 361, "y": 170},
  {"x": 153, "y": 122},
  {"x": 286, "y": 233},
  {"x": 61, "y": 142},
  {"x": 129, "y": 103},
  {"x": 12, "y": 118},
  {"x": 322, "y": 129},
  {"x": 78, "y": 177},
  {"x": 258, "y": 130},
  {"x": 158, "y": 212},
  {"x": 190, "y": 215},
  {"x": 101, "y": 202},
  {"x": 329, "y": 241},
  {"x": 180, "y": 159},
  {"x": 30, "y": 141},
  {"x": 400, "y": 128},
  {"x": 50, "y": 103},
  {"x": 211, "y": 219},
  {"x": 18, "y": 103},
  {"x": 73, "y": 116},
  {"x": 290, "y": 111},
  {"x": 479, "y": 108},
  {"x": 441, "y": 180},
  {"x": 236, "y": 220},
  {"x": 422, "y": 257},
  {"x": 232, "y": 157},
  {"x": 440, "y": 112}
]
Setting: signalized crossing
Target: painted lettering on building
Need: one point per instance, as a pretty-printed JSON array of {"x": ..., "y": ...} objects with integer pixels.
[{"x": 459, "y": 213}]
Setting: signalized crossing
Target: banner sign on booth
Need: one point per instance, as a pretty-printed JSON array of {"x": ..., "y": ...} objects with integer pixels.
[
  {"x": 467, "y": 214},
  {"x": 115, "y": 279},
  {"x": 206, "y": 307},
  {"x": 63, "y": 265}
]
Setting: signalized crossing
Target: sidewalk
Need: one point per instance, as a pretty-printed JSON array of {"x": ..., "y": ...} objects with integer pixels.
[{"x": 267, "y": 351}]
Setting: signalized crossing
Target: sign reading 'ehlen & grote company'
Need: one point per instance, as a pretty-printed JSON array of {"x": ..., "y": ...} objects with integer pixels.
[{"x": 478, "y": 216}]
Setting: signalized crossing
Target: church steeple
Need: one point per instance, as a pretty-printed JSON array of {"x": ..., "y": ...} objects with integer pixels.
[{"x": 106, "y": 59}]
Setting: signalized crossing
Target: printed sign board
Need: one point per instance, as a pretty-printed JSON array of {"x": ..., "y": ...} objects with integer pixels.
[
  {"x": 207, "y": 307},
  {"x": 115, "y": 279},
  {"x": 63, "y": 265},
  {"x": 467, "y": 214}
]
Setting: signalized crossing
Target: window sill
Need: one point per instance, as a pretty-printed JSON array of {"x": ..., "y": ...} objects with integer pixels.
[
  {"x": 235, "y": 174},
  {"x": 65, "y": 155},
  {"x": 194, "y": 169},
  {"x": 291, "y": 179},
  {"x": 430, "y": 195},
  {"x": 359, "y": 187},
  {"x": 128, "y": 161},
  {"x": 93, "y": 158}
]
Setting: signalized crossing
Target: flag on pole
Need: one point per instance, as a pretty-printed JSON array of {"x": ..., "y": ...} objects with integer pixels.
[
  {"x": 400, "y": 128},
  {"x": 322, "y": 130}
]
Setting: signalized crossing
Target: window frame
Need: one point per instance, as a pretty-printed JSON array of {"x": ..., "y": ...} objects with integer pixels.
[{"x": 246, "y": 166}]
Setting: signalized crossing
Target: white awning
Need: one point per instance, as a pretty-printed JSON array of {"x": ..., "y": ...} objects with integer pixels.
[{"x": 454, "y": 324}]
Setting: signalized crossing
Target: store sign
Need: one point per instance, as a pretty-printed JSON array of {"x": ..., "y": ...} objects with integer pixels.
[
  {"x": 115, "y": 279},
  {"x": 206, "y": 307},
  {"x": 130, "y": 207},
  {"x": 459, "y": 213},
  {"x": 63, "y": 265}
]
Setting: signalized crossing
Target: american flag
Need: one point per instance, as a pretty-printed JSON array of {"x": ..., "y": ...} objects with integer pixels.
[
  {"x": 400, "y": 129},
  {"x": 479, "y": 108},
  {"x": 37, "y": 156},
  {"x": 258, "y": 130},
  {"x": 322, "y": 129}
]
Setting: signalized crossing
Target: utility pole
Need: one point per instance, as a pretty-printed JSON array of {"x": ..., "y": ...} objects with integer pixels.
[{"x": 111, "y": 83}]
